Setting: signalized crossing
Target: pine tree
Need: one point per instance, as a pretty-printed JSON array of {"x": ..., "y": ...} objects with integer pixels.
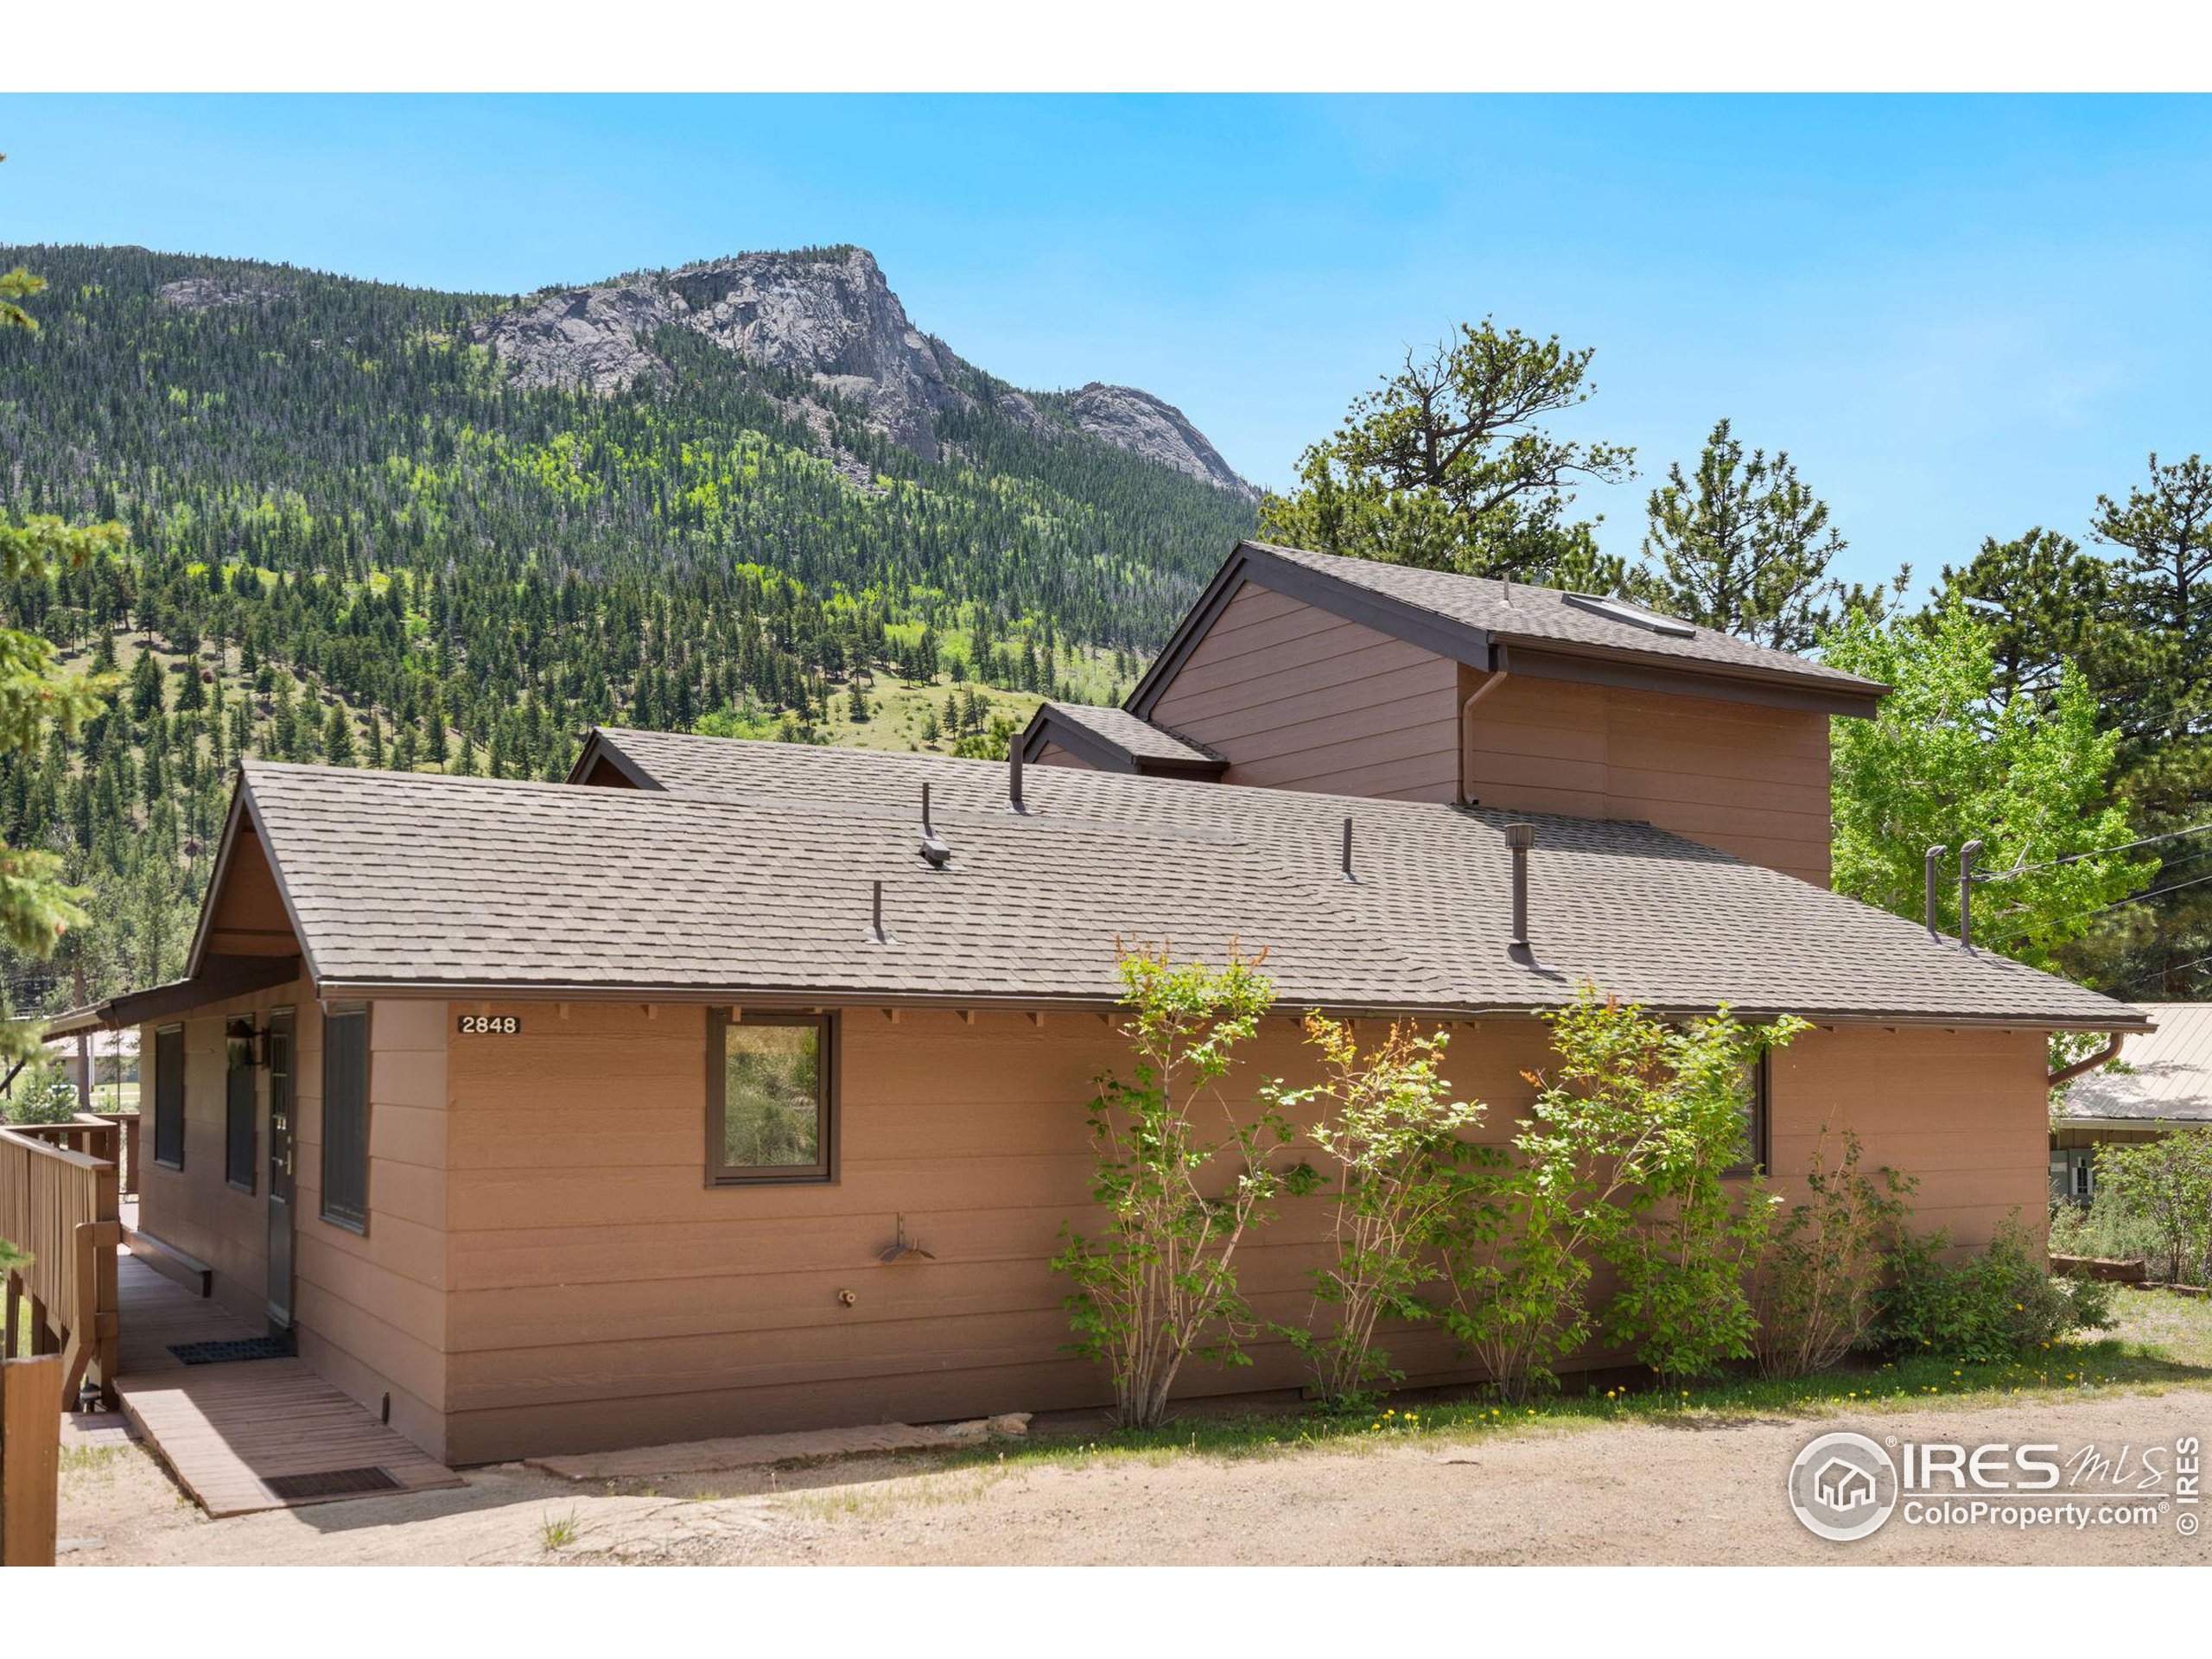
[
  {"x": 1745, "y": 548},
  {"x": 337, "y": 737},
  {"x": 1449, "y": 465},
  {"x": 36, "y": 906},
  {"x": 147, "y": 696}
]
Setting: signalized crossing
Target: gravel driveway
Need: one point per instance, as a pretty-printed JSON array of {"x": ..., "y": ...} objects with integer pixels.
[{"x": 1628, "y": 1492}]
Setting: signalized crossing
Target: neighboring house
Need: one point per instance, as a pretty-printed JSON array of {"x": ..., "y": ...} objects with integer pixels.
[
  {"x": 565, "y": 1117},
  {"x": 2163, "y": 1081},
  {"x": 115, "y": 1059}
]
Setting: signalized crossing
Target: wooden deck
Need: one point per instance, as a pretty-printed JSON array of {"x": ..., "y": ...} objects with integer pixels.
[
  {"x": 158, "y": 1314},
  {"x": 251, "y": 1434}
]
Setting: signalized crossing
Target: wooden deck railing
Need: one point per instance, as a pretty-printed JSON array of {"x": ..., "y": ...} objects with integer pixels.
[
  {"x": 127, "y": 1125},
  {"x": 59, "y": 1203}
]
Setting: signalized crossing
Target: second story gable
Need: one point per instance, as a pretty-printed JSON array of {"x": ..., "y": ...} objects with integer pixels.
[{"x": 1308, "y": 671}]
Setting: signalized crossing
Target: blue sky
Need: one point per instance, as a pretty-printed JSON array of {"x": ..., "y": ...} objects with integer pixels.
[{"x": 1960, "y": 316}]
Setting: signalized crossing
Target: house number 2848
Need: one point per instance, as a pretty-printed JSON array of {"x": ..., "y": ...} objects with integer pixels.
[{"x": 490, "y": 1025}]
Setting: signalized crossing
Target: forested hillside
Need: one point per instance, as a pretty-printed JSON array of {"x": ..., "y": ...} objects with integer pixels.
[{"x": 357, "y": 535}]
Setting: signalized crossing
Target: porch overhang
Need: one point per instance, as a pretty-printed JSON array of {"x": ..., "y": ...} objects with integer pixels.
[{"x": 219, "y": 979}]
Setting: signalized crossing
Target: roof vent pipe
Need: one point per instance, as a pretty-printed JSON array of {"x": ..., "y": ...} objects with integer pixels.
[
  {"x": 1348, "y": 875},
  {"x": 936, "y": 853},
  {"x": 1928, "y": 886},
  {"x": 1013, "y": 772},
  {"x": 1967, "y": 855},
  {"x": 1521, "y": 837}
]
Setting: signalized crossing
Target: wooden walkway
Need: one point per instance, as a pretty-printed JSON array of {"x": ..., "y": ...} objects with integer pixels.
[
  {"x": 158, "y": 1314},
  {"x": 251, "y": 1434}
]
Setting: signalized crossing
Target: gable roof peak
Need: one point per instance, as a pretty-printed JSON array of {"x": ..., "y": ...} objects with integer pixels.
[{"x": 1553, "y": 631}]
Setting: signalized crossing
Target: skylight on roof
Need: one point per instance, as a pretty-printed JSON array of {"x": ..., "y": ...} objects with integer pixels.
[{"x": 1635, "y": 615}]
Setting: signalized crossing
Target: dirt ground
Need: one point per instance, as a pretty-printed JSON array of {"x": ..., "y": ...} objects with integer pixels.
[{"x": 1627, "y": 1493}]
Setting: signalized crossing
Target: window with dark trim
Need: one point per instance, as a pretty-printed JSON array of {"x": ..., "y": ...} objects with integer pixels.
[
  {"x": 345, "y": 1117},
  {"x": 771, "y": 1098},
  {"x": 240, "y": 1144},
  {"x": 169, "y": 1096},
  {"x": 1753, "y": 1107}
]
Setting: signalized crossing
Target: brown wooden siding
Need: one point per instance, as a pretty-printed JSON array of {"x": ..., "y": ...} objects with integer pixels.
[
  {"x": 1964, "y": 1112},
  {"x": 369, "y": 1311},
  {"x": 1749, "y": 781},
  {"x": 195, "y": 1208},
  {"x": 1295, "y": 698},
  {"x": 249, "y": 918},
  {"x": 1053, "y": 755},
  {"x": 371, "y": 1307},
  {"x": 601, "y": 1294},
  {"x": 605, "y": 774}
]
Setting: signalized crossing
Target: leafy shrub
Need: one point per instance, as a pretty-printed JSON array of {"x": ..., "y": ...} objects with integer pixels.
[
  {"x": 1998, "y": 1305},
  {"x": 1513, "y": 1258},
  {"x": 1816, "y": 1293},
  {"x": 2166, "y": 1184},
  {"x": 2106, "y": 1227},
  {"x": 1391, "y": 1128},
  {"x": 1634, "y": 1132},
  {"x": 1159, "y": 1283}
]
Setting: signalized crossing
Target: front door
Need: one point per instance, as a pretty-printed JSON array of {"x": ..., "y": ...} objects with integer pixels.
[{"x": 280, "y": 1169}]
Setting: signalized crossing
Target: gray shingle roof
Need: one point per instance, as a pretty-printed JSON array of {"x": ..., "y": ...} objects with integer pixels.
[
  {"x": 751, "y": 873},
  {"x": 1520, "y": 613},
  {"x": 2169, "y": 1079},
  {"x": 1140, "y": 738}
]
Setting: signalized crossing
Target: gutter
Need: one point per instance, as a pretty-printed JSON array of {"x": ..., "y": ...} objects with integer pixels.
[
  {"x": 2104, "y": 1056},
  {"x": 764, "y": 996},
  {"x": 1834, "y": 681}
]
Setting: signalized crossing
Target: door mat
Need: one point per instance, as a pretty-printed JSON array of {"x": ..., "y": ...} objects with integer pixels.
[
  {"x": 222, "y": 1353},
  {"x": 329, "y": 1483}
]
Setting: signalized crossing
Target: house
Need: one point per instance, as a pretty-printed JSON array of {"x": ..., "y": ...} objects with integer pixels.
[
  {"x": 555, "y": 1117},
  {"x": 2164, "y": 1083}
]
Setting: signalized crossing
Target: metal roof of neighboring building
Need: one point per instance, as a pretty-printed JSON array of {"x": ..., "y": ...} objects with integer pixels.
[
  {"x": 748, "y": 874},
  {"x": 2168, "y": 1076}
]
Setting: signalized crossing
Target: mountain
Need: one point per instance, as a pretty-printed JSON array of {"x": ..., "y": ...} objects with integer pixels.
[
  {"x": 373, "y": 523},
  {"x": 1140, "y": 423},
  {"x": 828, "y": 317}
]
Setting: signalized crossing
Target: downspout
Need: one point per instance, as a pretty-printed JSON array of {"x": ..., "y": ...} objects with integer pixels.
[
  {"x": 1501, "y": 669},
  {"x": 2104, "y": 1056}
]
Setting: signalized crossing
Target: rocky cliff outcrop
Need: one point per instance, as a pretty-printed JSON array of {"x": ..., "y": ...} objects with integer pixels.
[
  {"x": 591, "y": 338},
  {"x": 1140, "y": 423},
  {"x": 205, "y": 293},
  {"x": 827, "y": 316}
]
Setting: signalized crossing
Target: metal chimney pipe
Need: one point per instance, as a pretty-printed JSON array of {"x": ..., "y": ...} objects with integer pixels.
[
  {"x": 1013, "y": 772},
  {"x": 878, "y": 914},
  {"x": 1521, "y": 837},
  {"x": 1928, "y": 886},
  {"x": 1348, "y": 875},
  {"x": 926, "y": 829},
  {"x": 1967, "y": 855}
]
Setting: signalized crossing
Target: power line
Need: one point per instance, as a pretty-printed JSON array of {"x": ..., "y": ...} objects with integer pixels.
[
  {"x": 2157, "y": 972},
  {"x": 2099, "y": 852},
  {"x": 2133, "y": 899}
]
